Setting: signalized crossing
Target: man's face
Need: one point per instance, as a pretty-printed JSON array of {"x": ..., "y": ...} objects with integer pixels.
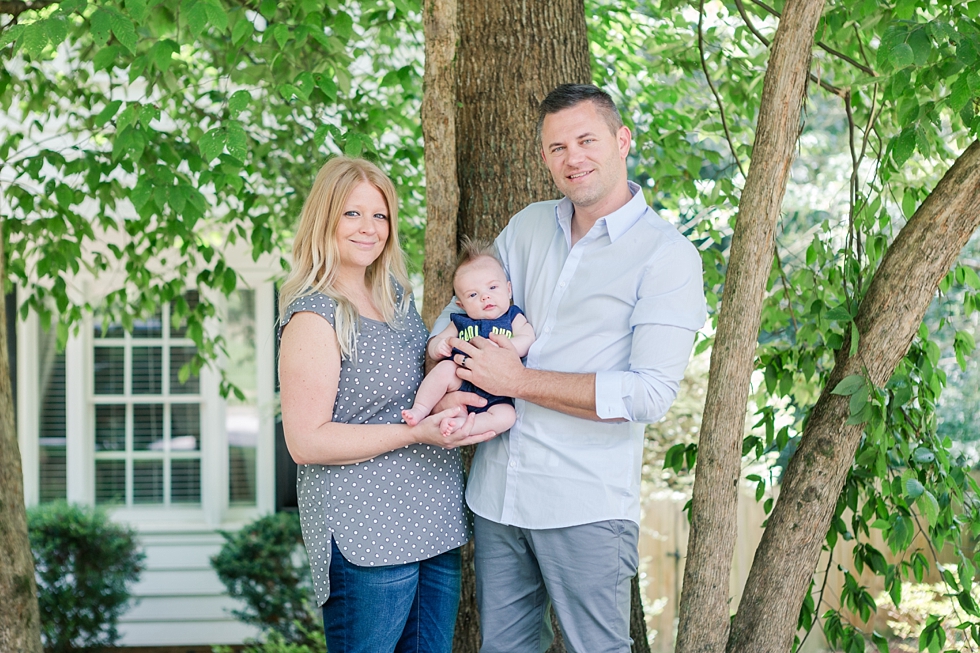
[{"x": 586, "y": 158}]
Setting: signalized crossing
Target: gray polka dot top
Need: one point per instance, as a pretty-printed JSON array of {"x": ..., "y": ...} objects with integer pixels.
[{"x": 402, "y": 506}]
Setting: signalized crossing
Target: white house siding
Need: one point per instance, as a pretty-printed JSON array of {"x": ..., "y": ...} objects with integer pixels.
[{"x": 179, "y": 599}]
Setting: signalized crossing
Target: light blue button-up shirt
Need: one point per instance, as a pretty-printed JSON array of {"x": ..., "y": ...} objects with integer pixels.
[{"x": 624, "y": 303}]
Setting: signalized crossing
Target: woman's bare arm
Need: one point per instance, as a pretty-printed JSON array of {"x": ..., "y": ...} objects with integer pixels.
[{"x": 309, "y": 374}]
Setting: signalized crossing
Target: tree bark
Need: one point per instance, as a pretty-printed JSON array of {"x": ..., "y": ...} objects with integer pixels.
[
  {"x": 704, "y": 608},
  {"x": 20, "y": 624},
  {"x": 510, "y": 56},
  {"x": 439, "y": 132},
  {"x": 887, "y": 320}
]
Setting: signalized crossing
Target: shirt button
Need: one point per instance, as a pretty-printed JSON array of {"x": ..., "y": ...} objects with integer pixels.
[
  {"x": 513, "y": 464},
  {"x": 562, "y": 284}
]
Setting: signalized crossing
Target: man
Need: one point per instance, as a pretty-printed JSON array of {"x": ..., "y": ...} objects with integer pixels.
[{"x": 615, "y": 295}]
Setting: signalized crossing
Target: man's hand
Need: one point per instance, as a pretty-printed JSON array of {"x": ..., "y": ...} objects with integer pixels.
[{"x": 493, "y": 365}]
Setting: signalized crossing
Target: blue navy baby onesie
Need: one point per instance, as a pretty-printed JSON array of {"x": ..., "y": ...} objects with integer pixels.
[{"x": 468, "y": 328}]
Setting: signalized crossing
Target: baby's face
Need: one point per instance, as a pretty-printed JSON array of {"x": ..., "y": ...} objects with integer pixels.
[{"x": 482, "y": 289}]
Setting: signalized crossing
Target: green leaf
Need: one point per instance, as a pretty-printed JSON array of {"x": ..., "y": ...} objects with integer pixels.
[
  {"x": 909, "y": 203},
  {"x": 196, "y": 15},
  {"x": 281, "y": 34},
  {"x": 11, "y": 34},
  {"x": 859, "y": 400},
  {"x": 238, "y": 102},
  {"x": 124, "y": 31},
  {"x": 136, "y": 9},
  {"x": 902, "y": 146},
  {"x": 960, "y": 93},
  {"x": 921, "y": 46},
  {"x": 107, "y": 113},
  {"x": 923, "y": 456},
  {"x": 216, "y": 15},
  {"x": 228, "y": 281},
  {"x": 212, "y": 144},
  {"x": 855, "y": 340},
  {"x": 927, "y": 504},
  {"x": 33, "y": 40},
  {"x": 971, "y": 278},
  {"x": 162, "y": 54},
  {"x": 56, "y": 29},
  {"x": 901, "y": 55},
  {"x": 101, "y": 26},
  {"x": 241, "y": 31},
  {"x": 106, "y": 58},
  {"x": 237, "y": 142},
  {"x": 838, "y": 314},
  {"x": 849, "y": 385},
  {"x": 343, "y": 25},
  {"x": 913, "y": 488}
]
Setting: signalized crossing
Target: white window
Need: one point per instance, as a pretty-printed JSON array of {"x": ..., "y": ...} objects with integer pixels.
[{"x": 147, "y": 430}]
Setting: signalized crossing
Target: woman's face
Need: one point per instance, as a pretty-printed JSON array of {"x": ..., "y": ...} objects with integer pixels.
[{"x": 363, "y": 228}]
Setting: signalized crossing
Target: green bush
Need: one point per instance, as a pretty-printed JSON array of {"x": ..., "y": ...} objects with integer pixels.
[
  {"x": 274, "y": 642},
  {"x": 264, "y": 565},
  {"x": 85, "y": 566}
]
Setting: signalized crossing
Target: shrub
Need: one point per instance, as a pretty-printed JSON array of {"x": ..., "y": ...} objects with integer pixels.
[
  {"x": 274, "y": 642},
  {"x": 85, "y": 565},
  {"x": 264, "y": 565}
]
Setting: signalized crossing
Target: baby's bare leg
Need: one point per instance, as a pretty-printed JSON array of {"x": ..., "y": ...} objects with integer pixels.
[
  {"x": 498, "y": 418},
  {"x": 434, "y": 386}
]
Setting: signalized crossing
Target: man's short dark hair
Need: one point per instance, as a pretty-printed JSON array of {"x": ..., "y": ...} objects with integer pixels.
[{"x": 567, "y": 96}]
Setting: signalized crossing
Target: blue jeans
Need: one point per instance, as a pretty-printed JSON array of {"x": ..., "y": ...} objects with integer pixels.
[{"x": 408, "y": 608}]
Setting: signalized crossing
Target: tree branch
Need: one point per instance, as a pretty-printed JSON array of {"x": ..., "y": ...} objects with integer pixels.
[
  {"x": 17, "y": 7},
  {"x": 752, "y": 28},
  {"x": 823, "y": 46},
  {"x": 721, "y": 107}
]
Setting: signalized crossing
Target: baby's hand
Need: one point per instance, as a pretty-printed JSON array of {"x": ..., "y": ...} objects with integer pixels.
[{"x": 444, "y": 350}]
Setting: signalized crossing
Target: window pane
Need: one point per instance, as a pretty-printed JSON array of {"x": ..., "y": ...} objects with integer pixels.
[
  {"x": 110, "y": 481},
  {"x": 179, "y": 356},
  {"x": 106, "y": 330},
  {"x": 148, "y": 481},
  {"x": 150, "y": 327},
  {"x": 242, "y": 417},
  {"x": 110, "y": 428},
  {"x": 147, "y": 427},
  {"x": 185, "y": 427},
  {"x": 185, "y": 481},
  {"x": 242, "y": 423},
  {"x": 110, "y": 365},
  {"x": 147, "y": 371},
  {"x": 51, "y": 424},
  {"x": 180, "y": 331}
]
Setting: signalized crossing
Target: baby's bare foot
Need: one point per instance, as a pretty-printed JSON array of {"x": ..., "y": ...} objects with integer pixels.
[
  {"x": 413, "y": 416},
  {"x": 451, "y": 424}
]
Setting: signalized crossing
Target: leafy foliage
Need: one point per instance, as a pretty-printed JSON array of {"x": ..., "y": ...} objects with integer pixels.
[
  {"x": 892, "y": 101},
  {"x": 263, "y": 565},
  {"x": 85, "y": 565},
  {"x": 145, "y": 140}
]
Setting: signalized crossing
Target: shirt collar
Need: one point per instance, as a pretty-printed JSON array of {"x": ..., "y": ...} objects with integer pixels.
[{"x": 616, "y": 223}]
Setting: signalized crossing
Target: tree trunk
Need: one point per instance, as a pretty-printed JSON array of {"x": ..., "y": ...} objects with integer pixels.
[
  {"x": 20, "y": 625},
  {"x": 887, "y": 320},
  {"x": 439, "y": 131},
  {"x": 704, "y": 608},
  {"x": 511, "y": 54}
]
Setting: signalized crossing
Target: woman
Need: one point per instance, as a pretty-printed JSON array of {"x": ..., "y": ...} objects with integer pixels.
[{"x": 381, "y": 503}]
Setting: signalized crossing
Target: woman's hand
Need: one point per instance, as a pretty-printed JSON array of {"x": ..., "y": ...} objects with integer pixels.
[{"x": 431, "y": 431}]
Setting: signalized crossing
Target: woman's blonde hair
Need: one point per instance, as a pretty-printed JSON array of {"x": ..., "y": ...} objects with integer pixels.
[{"x": 316, "y": 257}]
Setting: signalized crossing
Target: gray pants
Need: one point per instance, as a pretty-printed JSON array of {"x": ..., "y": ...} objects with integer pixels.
[{"x": 584, "y": 572}]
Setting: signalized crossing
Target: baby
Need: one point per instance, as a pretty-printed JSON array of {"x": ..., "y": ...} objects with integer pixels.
[{"x": 483, "y": 291}]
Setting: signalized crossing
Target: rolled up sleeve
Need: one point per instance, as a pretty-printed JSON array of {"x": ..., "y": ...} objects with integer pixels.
[{"x": 670, "y": 308}]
